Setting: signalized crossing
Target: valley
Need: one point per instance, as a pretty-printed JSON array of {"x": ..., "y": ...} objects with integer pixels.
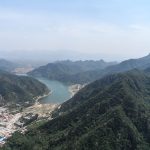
[
  {"x": 75, "y": 75},
  {"x": 43, "y": 107},
  {"x": 113, "y": 108},
  {"x": 110, "y": 109}
]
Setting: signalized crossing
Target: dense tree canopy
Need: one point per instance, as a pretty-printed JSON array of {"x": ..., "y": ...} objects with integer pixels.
[{"x": 109, "y": 114}]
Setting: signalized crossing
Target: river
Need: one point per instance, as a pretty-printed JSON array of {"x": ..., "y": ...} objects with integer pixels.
[{"x": 60, "y": 91}]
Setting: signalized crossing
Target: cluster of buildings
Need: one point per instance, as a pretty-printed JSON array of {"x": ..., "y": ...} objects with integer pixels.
[
  {"x": 4, "y": 119},
  {"x": 2, "y": 140},
  {"x": 10, "y": 123},
  {"x": 17, "y": 121},
  {"x": 5, "y": 132}
]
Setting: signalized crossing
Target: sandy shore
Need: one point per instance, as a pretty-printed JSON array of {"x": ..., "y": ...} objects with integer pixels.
[
  {"x": 73, "y": 89},
  {"x": 40, "y": 97},
  {"x": 7, "y": 121},
  {"x": 42, "y": 110}
]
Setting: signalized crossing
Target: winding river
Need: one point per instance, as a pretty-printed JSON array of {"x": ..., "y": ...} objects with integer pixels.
[{"x": 60, "y": 91}]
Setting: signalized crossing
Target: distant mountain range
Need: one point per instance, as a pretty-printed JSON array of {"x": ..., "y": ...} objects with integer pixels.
[
  {"x": 88, "y": 71},
  {"x": 112, "y": 113},
  {"x": 130, "y": 64},
  {"x": 63, "y": 70},
  {"x": 19, "y": 89}
]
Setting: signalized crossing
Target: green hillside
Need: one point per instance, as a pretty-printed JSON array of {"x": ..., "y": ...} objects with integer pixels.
[
  {"x": 88, "y": 71},
  {"x": 112, "y": 113},
  {"x": 19, "y": 89},
  {"x": 64, "y": 71}
]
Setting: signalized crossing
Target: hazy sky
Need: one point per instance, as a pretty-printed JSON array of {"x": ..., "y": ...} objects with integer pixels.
[{"x": 109, "y": 29}]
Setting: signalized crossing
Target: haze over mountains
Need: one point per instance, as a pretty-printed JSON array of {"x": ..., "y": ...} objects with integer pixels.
[
  {"x": 112, "y": 112},
  {"x": 62, "y": 70}
]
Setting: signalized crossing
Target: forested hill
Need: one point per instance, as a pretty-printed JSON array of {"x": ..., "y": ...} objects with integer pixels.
[
  {"x": 112, "y": 113},
  {"x": 63, "y": 70},
  {"x": 90, "y": 76},
  {"x": 19, "y": 89},
  {"x": 68, "y": 72},
  {"x": 100, "y": 85}
]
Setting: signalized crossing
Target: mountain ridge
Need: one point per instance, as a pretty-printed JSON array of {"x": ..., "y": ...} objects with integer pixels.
[
  {"x": 87, "y": 76},
  {"x": 110, "y": 114},
  {"x": 62, "y": 70}
]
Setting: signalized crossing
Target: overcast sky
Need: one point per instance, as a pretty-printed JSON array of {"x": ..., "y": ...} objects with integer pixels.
[{"x": 108, "y": 29}]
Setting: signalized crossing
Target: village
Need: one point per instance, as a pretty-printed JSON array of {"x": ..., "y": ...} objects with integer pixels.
[
  {"x": 7, "y": 126},
  {"x": 18, "y": 120},
  {"x": 11, "y": 122}
]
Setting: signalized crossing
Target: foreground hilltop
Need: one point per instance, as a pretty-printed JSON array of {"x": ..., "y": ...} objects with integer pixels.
[
  {"x": 19, "y": 89},
  {"x": 112, "y": 113}
]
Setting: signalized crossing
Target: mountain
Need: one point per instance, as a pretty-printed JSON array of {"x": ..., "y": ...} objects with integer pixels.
[
  {"x": 62, "y": 70},
  {"x": 19, "y": 89},
  {"x": 7, "y": 65},
  {"x": 89, "y": 76},
  {"x": 112, "y": 113},
  {"x": 88, "y": 71},
  {"x": 140, "y": 63}
]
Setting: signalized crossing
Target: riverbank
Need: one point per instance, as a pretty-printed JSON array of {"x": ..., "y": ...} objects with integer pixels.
[
  {"x": 43, "y": 110},
  {"x": 38, "y": 98},
  {"x": 73, "y": 89},
  {"x": 7, "y": 121}
]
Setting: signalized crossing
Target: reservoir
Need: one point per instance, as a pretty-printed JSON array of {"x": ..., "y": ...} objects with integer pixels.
[{"x": 60, "y": 91}]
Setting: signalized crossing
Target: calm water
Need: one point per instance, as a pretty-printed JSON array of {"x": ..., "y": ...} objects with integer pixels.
[{"x": 59, "y": 93}]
